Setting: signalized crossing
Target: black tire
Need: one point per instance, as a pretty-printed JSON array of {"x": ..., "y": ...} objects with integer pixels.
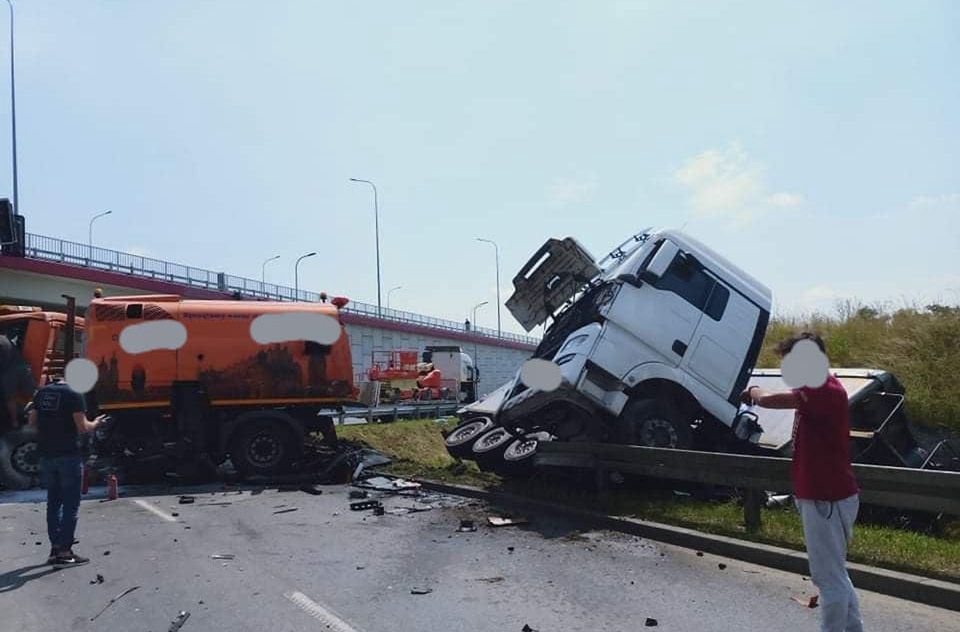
[
  {"x": 459, "y": 441},
  {"x": 654, "y": 424},
  {"x": 488, "y": 448},
  {"x": 20, "y": 459},
  {"x": 519, "y": 454},
  {"x": 264, "y": 447}
]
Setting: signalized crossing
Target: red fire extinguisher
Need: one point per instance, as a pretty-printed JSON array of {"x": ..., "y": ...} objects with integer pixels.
[
  {"x": 85, "y": 484},
  {"x": 112, "y": 487}
]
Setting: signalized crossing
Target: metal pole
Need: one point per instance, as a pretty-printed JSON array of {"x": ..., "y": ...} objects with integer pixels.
[
  {"x": 496, "y": 249},
  {"x": 296, "y": 275},
  {"x": 390, "y": 291},
  {"x": 90, "y": 229},
  {"x": 376, "y": 226},
  {"x": 476, "y": 353},
  {"x": 263, "y": 270},
  {"x": 13, "y": 117}
]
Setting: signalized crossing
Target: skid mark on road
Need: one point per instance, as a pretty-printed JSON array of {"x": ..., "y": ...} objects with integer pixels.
[
  {"x": 318, "y": 612},
  {"x": 155, "y": 510}
]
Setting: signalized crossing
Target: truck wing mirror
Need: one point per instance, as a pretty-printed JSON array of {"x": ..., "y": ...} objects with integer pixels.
[
  {"x": 630, "y": 279},
  {"x": 661, "y": 261}
]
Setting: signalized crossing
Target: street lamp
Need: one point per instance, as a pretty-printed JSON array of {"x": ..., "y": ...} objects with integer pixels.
[
  {"x": 296, "y": 275},
  {"x": 90, "y": 229},
  {"x": 476, "y": 307},
  {"x": 390, "y": 291},
  {"x": 263, "y": 269},
  {"x": 497, "y": 255},
  {"x": 476, "y": 354},
  {"x": 13, "y": 117},
  {"x": 376, "y": 225}
]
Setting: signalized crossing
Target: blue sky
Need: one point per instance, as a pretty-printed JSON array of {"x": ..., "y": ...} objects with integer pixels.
[{"x": 815, "y": 144}]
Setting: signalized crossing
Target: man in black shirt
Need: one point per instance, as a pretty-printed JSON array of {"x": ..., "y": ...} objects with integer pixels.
[{"x": 58, "y": 412}]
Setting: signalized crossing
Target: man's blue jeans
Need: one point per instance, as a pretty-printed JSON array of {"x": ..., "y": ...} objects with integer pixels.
[{"x": 62, "y": 476}]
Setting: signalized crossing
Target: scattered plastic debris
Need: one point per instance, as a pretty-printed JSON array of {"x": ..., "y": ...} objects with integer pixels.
[
  {"x": 288, "y": 510},
  {"x": 113, "y": 601},
  {"x": 699, "y": 553},
  {"x": 97, "y": 580},
  {"x": 503, "y": 521},
  {"x": 421, "y": 591},
  {"x": 722, "y": 566},
  {"x": 467, "y": 526},
  {"x": 808, "y": 602},
  {"x": 365, "y": 504},
  {"x": 186, "y": 500},
  {"x": 384, "y": 484},
  {"x": 527, "y": 628},
  {"x": 179, "y": 621},
  {"x": 490, "y": 580},
  {"x": 651, "y": 622},
  {"x": 107, "y": 552},
  {"x": 510, "y": 548},
  {"x": 357, "y": 494},
  {"x": 222, "y": 556}
]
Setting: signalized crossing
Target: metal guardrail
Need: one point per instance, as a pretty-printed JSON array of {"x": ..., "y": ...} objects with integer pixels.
[
  {"x": 898, "y": 487},
  {"x": 74, "y": 253}
]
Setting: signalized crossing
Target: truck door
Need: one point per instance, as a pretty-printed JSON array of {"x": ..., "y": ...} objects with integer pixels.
[{"x": 657, "y": 315}]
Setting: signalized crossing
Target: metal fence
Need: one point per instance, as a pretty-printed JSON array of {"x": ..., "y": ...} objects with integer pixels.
[{"x": 94, "y": 257}]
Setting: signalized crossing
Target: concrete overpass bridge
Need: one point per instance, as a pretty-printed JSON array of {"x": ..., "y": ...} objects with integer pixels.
[{"x": 51, "y": 267}]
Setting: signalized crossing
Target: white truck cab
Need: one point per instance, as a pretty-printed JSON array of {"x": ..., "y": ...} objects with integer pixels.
[{"x": 654, "y": 342}]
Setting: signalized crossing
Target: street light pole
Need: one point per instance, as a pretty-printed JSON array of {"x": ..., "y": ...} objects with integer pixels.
[
  {"x": 90, "y": 229},
  {"x": 13, "y": 117},
  {"x": 390, "y": 291},
  {"x": 296, "y": 275},
  {"x": 496, "y": 249},
  {"x": 376, "y": 225},
  {"x": 263, "y": 269},
  {"x": 476, "y": 354}
]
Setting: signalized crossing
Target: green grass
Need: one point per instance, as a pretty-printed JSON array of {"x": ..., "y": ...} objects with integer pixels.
[{"x": 417, "y": 449}]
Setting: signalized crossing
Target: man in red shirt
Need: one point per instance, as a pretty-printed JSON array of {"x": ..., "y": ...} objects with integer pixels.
[{"x": 825, "y": 490}]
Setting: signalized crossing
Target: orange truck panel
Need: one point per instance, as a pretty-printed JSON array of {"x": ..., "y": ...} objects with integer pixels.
[
  {"x": 219, "y": 351},
  {"x": 39, "y": 336}
]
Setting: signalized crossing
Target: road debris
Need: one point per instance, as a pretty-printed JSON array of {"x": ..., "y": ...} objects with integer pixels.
[
  {"x": 107, "y": 552},
  {"x": 384, "y": 484},
  {"x": 699, "y": 553},
  {"x": 467, "y": 526},
  {"x": 504, "y": 521},
  {"x": 113, "y": 601},
  {"x": 378, "y": 511},
  {"x": 510, "y": 548},
  {"x": 651, "y": 622},
  {"x": 421, "y": 591},
  {"x": 722, "y": 566},
  {"x": 288, "y": 510},
  {"x": 490, "y": 580},
  {"x": 527, "y": 628},
  {"x": 808, "y": 602},
  {"x": 97, "y": 580},
  {"x": 365, "y": 504},
  {"x": 186, "y": 500},
  {"x": 311, "y": 489},
  {"x": 222, "y": 556},
  {"x": 357, "y": 494},
  {"x": 179, "y": 621}
]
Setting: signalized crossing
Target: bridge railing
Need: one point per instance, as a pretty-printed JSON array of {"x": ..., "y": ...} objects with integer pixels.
[{"x": 95, "y": 257}]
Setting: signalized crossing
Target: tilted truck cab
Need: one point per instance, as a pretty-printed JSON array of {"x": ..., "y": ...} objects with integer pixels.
[{"x": 654, "y": 343}]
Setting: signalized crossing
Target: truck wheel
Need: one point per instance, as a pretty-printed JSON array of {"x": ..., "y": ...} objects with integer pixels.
[
  {"x": 460, "y": 440},
  {"x": 264, "y": 447},
  {"x": 20, "y": 459},
  {"x": 488, "y": 449},
  {"x": 518, "y": 457},
  {"x": 655, "y": 424}
]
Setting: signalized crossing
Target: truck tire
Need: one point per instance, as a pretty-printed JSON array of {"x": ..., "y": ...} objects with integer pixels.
[
  {"x": 655, "y": 424},
  {"x": 20, "y": 459},
  {"x": 519, "y": 455},
  {"x": 459, "y": 442},
  {"x": 264, "y": 447},
  {"x": 488, "y": 448}
]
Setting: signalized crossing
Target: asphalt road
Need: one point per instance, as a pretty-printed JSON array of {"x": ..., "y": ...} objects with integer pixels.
[{"x": 325, "y": 567}]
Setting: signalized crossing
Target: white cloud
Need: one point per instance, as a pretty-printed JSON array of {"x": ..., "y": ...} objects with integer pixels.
[
  {"x": 725, "y": 183},
  {"x": 567, "y": 191}
]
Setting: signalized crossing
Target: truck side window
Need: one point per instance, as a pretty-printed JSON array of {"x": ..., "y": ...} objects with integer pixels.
[
  {"x": 687, "y": 281},
  {"x": 717, "y": 302},
  {"x": 135, "y": 310}
]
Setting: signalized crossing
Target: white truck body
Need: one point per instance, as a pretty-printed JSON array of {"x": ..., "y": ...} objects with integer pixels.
[{"x": 663, "y": 312}]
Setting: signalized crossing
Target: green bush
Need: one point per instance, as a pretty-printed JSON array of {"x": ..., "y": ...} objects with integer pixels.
[{"x": 921, "y": 346}]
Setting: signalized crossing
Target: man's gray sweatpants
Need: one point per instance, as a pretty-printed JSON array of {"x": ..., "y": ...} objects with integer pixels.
[{"x": 827, "y": 528}]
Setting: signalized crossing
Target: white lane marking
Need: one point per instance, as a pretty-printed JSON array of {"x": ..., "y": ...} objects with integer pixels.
[
  {"x": 318, "y": 612},
  {"x": 155, "y": 510}
]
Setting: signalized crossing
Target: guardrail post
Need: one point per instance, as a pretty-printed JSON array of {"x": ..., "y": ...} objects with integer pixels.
[{"x": 752, "y": 502}]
